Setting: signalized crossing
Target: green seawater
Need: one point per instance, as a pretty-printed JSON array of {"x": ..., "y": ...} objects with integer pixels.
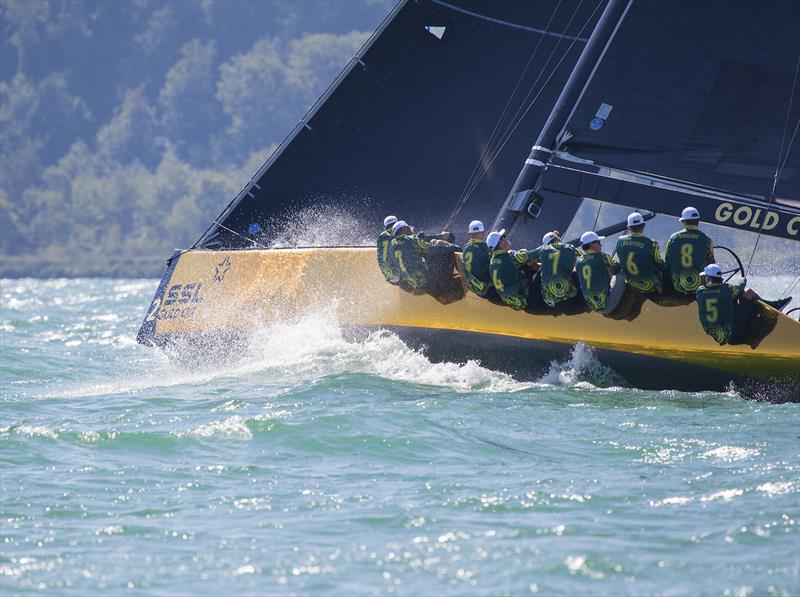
[{"x": 314, "y": 465}]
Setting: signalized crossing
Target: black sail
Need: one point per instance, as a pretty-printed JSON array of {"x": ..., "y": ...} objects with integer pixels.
[
  {"x": 403, "y": 126},
  {"x": 699, "y": 92}
]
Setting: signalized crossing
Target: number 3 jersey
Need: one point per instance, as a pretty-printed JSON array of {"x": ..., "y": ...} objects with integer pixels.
[
  {"x": 557, "y": 262},
  {"x": 476, "y": 267},
  {"x": 716, "y": 310}
]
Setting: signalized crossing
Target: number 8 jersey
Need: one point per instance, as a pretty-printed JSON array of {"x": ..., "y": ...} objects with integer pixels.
[{"x": 688, "y": 252}]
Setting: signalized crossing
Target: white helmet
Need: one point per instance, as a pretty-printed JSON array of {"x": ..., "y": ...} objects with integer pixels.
[
  {"x": 389, "y": 221},
  {"x": 712, "y": 270}
]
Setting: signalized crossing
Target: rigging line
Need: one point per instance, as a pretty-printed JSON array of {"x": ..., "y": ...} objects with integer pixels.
[
  {"x": 533, "y": 101},
  {"x": 510, "y": 130},
  {"x": 487, "y": 149},
  {"x": 501, "y": 22},
  {"x": 597, "y": 217},
  {"x": 790, "y": 287},
  {"x": 517, "y": 119},
  {"x": 498, "y": 141},
  {"x": 490, "y": 142},
  {"x": 247, "y": 238},
  {"x": 789, "y": 149},
  {"x": 779, "y": 166},
  {"x": 544, "y": 68}
]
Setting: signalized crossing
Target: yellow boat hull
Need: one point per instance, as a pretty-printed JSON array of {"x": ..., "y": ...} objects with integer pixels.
[{"x": 225, "y": 293}]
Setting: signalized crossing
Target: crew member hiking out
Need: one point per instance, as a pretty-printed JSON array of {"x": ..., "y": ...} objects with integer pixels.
[
  {"x": 425, "y": 267},
  {"x": 557, "y": 264},
  {"x": 384, "y": 257},
  {"x": 602, "y": 282},
  {"x": 725, "y": 310},
  {"x": 640, "y": 258},
  {"x": 507, "y": 269},
  {"x": 687, "y": 252},
  {"x": 475, "y": 259}
]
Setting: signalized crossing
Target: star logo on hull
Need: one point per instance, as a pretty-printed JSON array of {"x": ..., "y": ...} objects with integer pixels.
[{"x": 222, "y": 268}]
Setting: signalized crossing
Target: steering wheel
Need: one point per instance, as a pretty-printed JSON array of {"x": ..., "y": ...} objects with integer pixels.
[{"x": 739, "y": 267}]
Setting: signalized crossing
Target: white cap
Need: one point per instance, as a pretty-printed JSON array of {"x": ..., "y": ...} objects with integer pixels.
[
  {"x": 475, "y": 226},
  {"x": 588, "y": 238},
  {"x": 389, "y": 220},
  {"x": 398, "y": 225},
  {"x": 712, "y": 270},
  {"x": 494, "y": 238},
  {"x": 549, "y": 237},
  {"x": 635, "y": 219},
  {"x": 689, "y": 213}
]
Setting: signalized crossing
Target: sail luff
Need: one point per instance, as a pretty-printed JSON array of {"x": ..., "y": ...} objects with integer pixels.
[{"x": 301, "y": 124}]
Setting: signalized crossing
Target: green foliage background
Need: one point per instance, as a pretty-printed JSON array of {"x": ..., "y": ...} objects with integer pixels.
[{"x": 125, "y": 127}]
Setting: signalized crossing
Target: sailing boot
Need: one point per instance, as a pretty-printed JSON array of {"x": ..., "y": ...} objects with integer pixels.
[{"x": 777, "y": 304}]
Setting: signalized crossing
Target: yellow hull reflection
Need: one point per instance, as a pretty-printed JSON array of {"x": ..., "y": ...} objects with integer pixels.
[{"x": 229, "y": 291}]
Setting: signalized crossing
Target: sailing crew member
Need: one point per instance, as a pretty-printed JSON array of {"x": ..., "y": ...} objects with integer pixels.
[
  {"x": 508, "y": 271},
  {"x": 557, "y": 264},
  {"x": 384, "y": 258},
  {"x": 475, "y": 258},
  {"x": 601, "y": 279},
  {"x": 640, "y": 258},
  {"x": 420, "y": 263},
  {"x": 687, "y": 252},
  {"x": 726, "y": 309}
]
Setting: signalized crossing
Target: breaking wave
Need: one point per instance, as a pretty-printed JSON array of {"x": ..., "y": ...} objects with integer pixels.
[
  {"x": 582, "y": 369},
  {"x": 311, "y": 348}
]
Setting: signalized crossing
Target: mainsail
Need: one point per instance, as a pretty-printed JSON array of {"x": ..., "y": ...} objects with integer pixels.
[
  {"x": 689, "y": 103},
  {"x": 402, "y": 127}
]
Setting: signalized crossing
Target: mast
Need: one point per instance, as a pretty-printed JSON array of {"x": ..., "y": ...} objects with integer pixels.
[{"x": 523, "y": 199}]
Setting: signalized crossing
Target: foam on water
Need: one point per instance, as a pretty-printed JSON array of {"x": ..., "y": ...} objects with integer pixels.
[
  {"x": 311, "y": 348},
  {"x": 583, "y": 369}
]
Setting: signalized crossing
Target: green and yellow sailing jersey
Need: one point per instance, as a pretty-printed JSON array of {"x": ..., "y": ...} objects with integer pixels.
[
  {"x": 384, "y": 256},
  {"x": 408, "y": 252},
  {"x": 557, "y": 261},
  {"x": 475, "y": 257},
  {"x": 687, "y": 253},
  {"x": 641, "y": 260},
  {"x": 508, "y": 278},
  {"x": 594, "y": 275},
  {"x": 716, "y": 310}
]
